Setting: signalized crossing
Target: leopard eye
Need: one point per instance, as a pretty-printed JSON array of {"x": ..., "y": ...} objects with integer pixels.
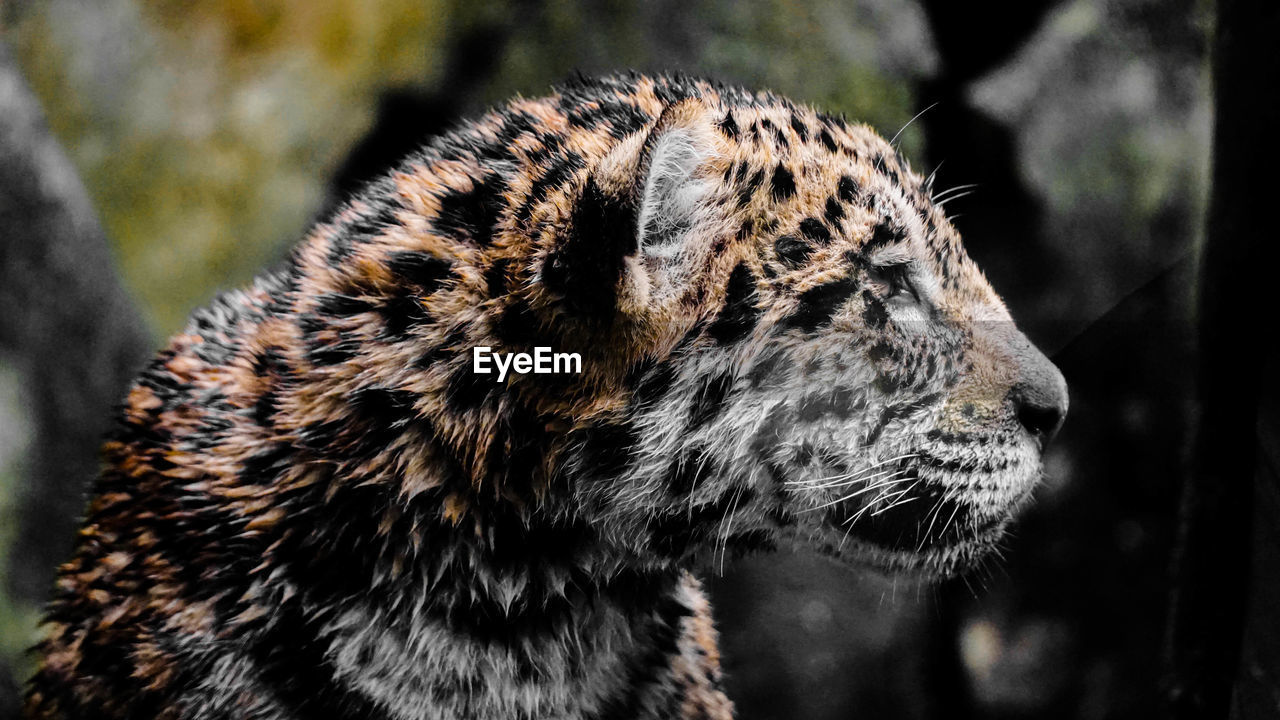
[{"x": 894, "y": 281}]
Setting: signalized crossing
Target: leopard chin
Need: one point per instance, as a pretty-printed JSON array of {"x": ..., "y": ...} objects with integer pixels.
[{"x": 928, "y": 516}]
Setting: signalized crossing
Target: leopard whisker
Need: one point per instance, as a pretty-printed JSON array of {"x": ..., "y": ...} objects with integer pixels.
[
  {"x": 941, "y": 197},
  {"x": 727, "y": 524},
  {"x": 702, "y": 463},
  {"x": 903, "y": 129},
  {"x": 947, "y": 526},
  {"x": 895, "y": 501},
  {"x": 883, "y": 495},
  {"x": 957, "y": 196},
  {"x": 895, "y": 504},
  {"x": 846, "y": 481},
  {"x": 883, "y": 483},
  {"x": 928, "y": 182},
  {"x": 873, "y": 466},
  {"x": 935, "y": 512},
  {"x": 850, "y": 521}
]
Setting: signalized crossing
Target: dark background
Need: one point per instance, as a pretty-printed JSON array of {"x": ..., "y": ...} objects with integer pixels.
[{"x": 153, "y": 151}]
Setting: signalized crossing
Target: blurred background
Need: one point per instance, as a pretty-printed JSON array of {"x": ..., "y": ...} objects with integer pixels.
[{"x": 185, "y": 145}]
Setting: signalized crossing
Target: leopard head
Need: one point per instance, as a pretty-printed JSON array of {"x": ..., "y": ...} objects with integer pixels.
[{"x": 814, "y": 357}]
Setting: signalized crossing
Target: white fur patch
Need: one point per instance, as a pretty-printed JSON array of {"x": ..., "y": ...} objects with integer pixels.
[{"x": 673, "y": 204}]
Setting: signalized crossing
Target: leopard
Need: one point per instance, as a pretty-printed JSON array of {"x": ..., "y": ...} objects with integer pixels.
[{"x": 314, "y": 506}]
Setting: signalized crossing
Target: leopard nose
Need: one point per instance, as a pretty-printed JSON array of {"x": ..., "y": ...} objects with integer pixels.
[{"x": 1040, "y": 395}]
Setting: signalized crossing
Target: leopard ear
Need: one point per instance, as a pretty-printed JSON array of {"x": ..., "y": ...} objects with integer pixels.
[
  {"x": 673, "y": 189},
  {"x": 625, "y": 245},
  {"x": 674, "y": 195}
]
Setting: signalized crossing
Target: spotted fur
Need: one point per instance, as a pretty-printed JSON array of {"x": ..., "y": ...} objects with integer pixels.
[{"x": 313, "y": 508}]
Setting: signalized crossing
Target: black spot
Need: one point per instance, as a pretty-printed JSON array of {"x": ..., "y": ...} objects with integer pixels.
[
  {"x": 801, "y": 131},
  {"x": 765, "y": 368},
  {"x": 729, "y": 126},
  {"x": 710, "y": 400},
  {"x": 580, "y": 116},
  {"x": 517, "y": 325},
  {"x": 834, "y": 211},
  {"x": 547, "y": 146},
  {"x": 825, "y": 138},
  {"x": 847, "y": 189},
  {"x": 888, "y": 384},
  {"x": 264, "y": 410},
  {"x": 818, "y": 304},
  {"x": 467, "y": 389},
  {"x": 215, "y": 350},
  {"x": 740, "y": 314},
  {"x": 907, "y": 409},
  {"x": 495, "y": 277},
  {"x": 783, "y": 183},
  {"x": 558, "y": 174},
  {"x": 625, "y": 119},
  {"x": 402, "y": 312},
  {"x": 588, "y": 263},
  {"x": 792, "y": 251},
  {"x": 813, "y": 229},
  {"x": 744, "y": 231},
  {"x": 881, "y": 351},
  {"x": 515, "y": 124},
  {"x": 372, "y": 223},
  {"x": 874, "y": 313},
  {"x": 327, "y": 354},
  {"x": 883, "y": 234},
  {"x": 749, "y": 189},
  {"x": 551, "y": 141},
  {"x": 472, "y": 213},
  {"x": 337, "y": 305},
  {"x": 881, "y": 163},
  {"x": 667, "y": 93},
  {"x": 608, "y": 450},
  {"x": 836, "y": 121},
  {"x": 687, "y": 472},
  {"x": 376, "y": 417},
  {"x": 419, "y": 268},
  {"x": 840, "y": 403},
  {"x": 384, "y": 407},
  {"x": 651, "y": 380}
]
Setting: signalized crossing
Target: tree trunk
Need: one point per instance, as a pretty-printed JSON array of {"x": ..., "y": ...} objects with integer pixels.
[
  {"x": 1235, "y": 325},
  {"x": 67, "y": 325}
]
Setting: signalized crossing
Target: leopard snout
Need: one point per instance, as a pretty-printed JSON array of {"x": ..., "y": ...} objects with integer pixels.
[{"x": 1039, "y": 396}]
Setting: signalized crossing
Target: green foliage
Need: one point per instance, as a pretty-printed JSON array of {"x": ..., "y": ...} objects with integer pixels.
[
  {"x": 205, "y": 132},
  {"x": 17, "y": 620}
]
